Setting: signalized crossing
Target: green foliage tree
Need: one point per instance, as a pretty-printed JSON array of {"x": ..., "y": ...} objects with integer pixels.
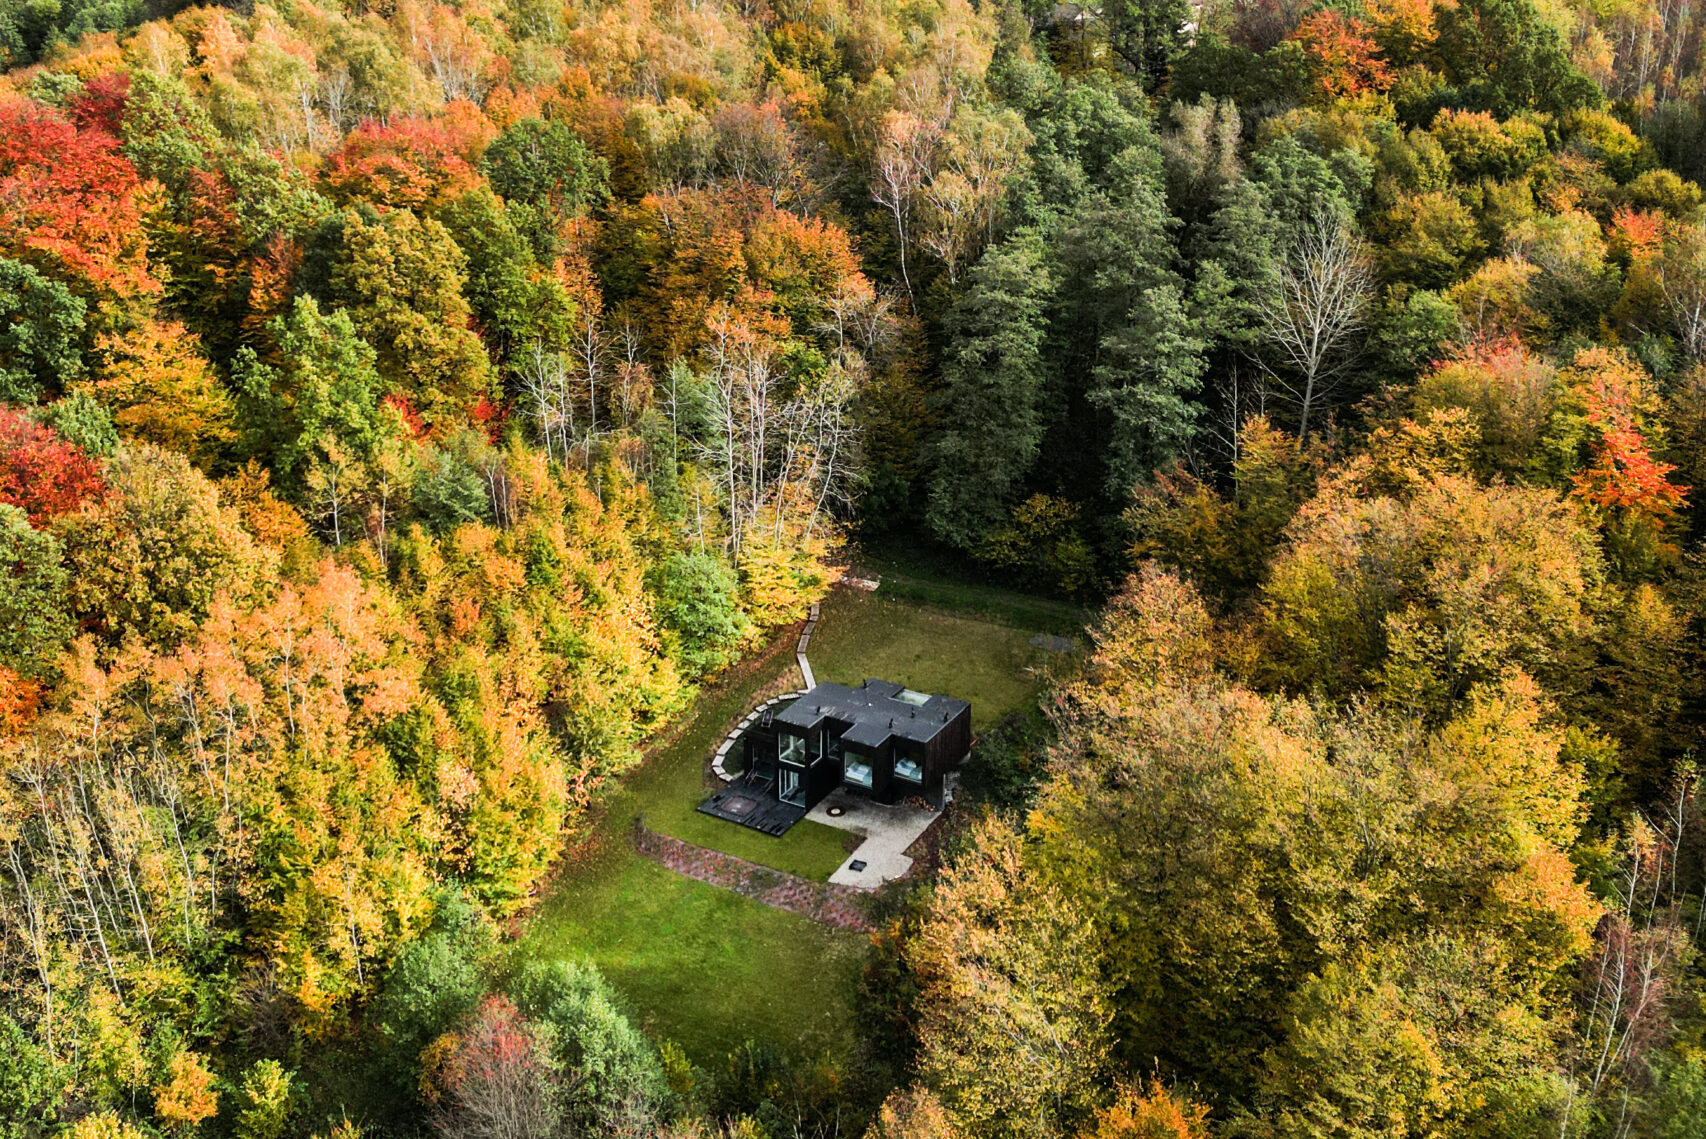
[
  {"x": 1505, "y": 56},
  {"x": 1147, "y": 35},
  {"x": 32, "y": 1084},
  {"x": 400, "y": 279},
  {"x": 326, "y": 384},
  {"x": 516, "y": 304},
  {"x": 698, "y": 601},
  {"x": 548, "y": 175},
  {"x": 34, "y": 623},
  {"x": 41, "y": 332},
  {"x": 994, "y": 379},
  {"x": 616, "y": 1078}
]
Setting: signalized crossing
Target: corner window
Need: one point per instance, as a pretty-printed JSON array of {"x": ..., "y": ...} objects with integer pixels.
[
  {"x": 792, "y": 749},
  {"x": 908, "y": 769}
]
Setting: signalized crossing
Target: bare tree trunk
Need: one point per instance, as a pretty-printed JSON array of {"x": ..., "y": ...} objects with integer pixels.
[{"x": 1319, "y": 302}]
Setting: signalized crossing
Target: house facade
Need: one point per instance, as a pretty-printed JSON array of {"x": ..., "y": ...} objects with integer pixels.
[{"x": 888, "y": 741}]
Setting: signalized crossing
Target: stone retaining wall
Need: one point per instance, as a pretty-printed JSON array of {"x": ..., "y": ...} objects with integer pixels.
[{"x": 823, "y": 902}]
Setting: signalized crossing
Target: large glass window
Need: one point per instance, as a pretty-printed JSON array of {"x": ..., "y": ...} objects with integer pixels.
[
  {"x": 856, "y": 769},
  {"x": 908, "y": 769},
  {"x": 792, "y": 748},
  {"x": 791, "y": 788}
]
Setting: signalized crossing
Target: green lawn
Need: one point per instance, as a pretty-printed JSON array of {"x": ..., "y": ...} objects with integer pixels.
[
  {"x": 699, "y": 965},
  {"x": 992, "y": 665},
  {"x": 708, "y": 968}
]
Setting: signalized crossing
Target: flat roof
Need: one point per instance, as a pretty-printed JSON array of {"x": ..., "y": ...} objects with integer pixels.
[{"x": 874, "y": 711}]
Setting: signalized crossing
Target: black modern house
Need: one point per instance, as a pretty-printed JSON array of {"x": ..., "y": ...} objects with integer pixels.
[{"x": 879, "y": 739}]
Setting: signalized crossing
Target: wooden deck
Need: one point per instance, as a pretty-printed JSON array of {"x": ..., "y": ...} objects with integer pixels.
[{"x": 752, "y": 802}]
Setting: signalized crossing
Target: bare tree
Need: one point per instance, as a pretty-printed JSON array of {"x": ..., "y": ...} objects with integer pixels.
[
  {"x": 500, "y": 1081},
  {"x": 780, "y": 451},
  {"x": 1682, "y": 280},
  {"x": 1318, "y": 304},
  {"x": 904, "y": 160},
  {"x": 1633, "y": 978},
  {"x": 546, "y": 384},
  {"x": 961, "y": 202},
  {"x": 337, "y": 97}
]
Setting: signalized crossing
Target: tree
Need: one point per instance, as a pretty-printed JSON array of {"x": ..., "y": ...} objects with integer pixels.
[
  {"x": 548, "y": 175},
  {"x": 268, "y": 1093},
  {"x": 1151, "y": 1111},
  {"x": 993, "y": 391},
  {"x": 188, "y": 1097},
  {"x": 70, "y": 203},
  {"x": 498, "y": 1081},
  {"x": 902, "y": 163},
  {"x": 1343, "y": 57},
  {"x": 401, "y": 279},
  {"x": 1014, "y": 1029},
  {"x": 407, "y": 163},
  {"x": 1118, "y": 336},
  {"x": 34, "y": 624},
  {"x": 516, "y": 304},
  {"x": 980, "y": 154},
  {"x": 1681, "y": 272},
  {"x": 158, "y": 386},
  {"x": 1147, "y": 35},
  {"x": 326, "y": 385},
  {"x": 698, "y": 601},
  {"x": 1431, "y": 592},
  {"x": 41, "y": 473},
  {"x": 613, "y": 1077},
  {"x": 1506, "y": 56},
  {"x": 1318, "y": 304},
  {"x": 152, "y": 558},
  {"x": 912, "y": 1113},
  {"x": 781, "y": 446},
  {"x": 41, "y": 333}
]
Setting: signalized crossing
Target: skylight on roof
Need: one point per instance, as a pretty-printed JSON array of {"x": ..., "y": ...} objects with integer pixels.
[{"x": 916, "y": 699}]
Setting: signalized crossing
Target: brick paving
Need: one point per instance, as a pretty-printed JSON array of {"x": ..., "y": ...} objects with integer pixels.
[{"x": 823, "y": 902}]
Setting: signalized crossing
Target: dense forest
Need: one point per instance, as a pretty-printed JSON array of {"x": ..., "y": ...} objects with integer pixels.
[{"x": 407, "y": 407}]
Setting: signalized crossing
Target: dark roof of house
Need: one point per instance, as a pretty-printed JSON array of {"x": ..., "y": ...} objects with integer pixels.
[{"x": 875, "y": 711}]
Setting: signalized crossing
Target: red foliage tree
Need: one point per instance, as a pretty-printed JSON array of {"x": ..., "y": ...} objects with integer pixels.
[
  {"x": 40, "y": 473},
  {"x": 100, "y": 105},
  {"x": 496, "y": 1081},
  {"x": 70, "y": 202},
  {"x": 407, "y": 163}
]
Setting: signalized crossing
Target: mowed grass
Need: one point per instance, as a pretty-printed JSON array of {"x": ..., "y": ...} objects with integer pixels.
[
  {"x": 993, "y": 665},
  {"x": 668, "y": 789},
  {"x": 703, "y": 966},
  {"x": 699, "y": 965}
]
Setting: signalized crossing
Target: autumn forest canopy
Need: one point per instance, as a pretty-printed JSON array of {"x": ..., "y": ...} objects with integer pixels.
[{"x": 409, "y": 409}]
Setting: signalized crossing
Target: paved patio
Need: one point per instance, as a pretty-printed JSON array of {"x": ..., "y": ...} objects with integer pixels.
[{"x": 887, "y": 831}]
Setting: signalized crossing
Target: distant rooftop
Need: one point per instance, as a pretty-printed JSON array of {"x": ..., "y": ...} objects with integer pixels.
[{"x": 877, "y": 710}]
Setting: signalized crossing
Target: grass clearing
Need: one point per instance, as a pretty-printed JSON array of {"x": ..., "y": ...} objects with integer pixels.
[
  {"x": 703, "y": 966},
  {"x": 994, "y": 666},
  {"x": 699, "y": 965}
]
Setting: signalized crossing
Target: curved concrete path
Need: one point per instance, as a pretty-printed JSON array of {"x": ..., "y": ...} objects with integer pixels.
[{"x": 719, "y": 757}]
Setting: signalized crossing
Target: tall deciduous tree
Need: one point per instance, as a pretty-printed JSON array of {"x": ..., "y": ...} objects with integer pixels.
[
  {"x": 400, "y": 278},
  {"x": 992, "y": 402},
  {"x": 1319, "y": 303},
  {"x": 41, "y": 332}
]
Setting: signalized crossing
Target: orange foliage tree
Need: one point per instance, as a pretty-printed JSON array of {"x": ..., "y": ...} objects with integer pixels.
[
  {"x": 70, "y": 202},
  {"x": 407, "y": 163},
  {"x": 1344, "y": 59}
]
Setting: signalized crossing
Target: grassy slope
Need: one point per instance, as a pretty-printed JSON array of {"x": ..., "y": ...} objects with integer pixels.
[
  {"x": 701, "y": 966},
  {"x": 708, "y": 968}
]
